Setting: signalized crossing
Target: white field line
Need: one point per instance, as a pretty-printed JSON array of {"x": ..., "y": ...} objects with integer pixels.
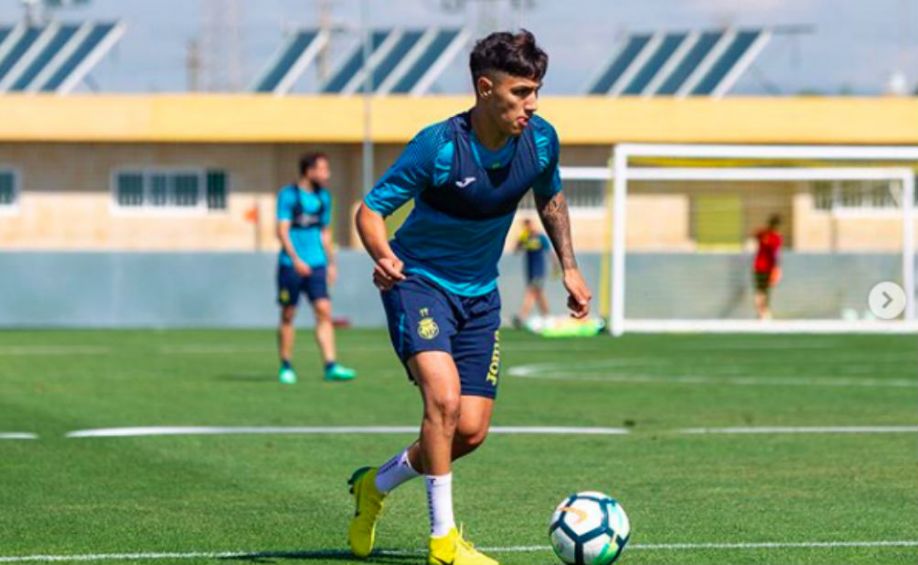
[
  {"x": 25, "y": 350},
  {"x": 153, "y": 556},
  {"x": 220, "y": 349},
  {"x": 542, "y": 372},
  {"x": 17, "y": 435},
  {"x": 151, "y": 431},
  {"x": 323, "y": 430},
  {"x": 803, "y": 430}
]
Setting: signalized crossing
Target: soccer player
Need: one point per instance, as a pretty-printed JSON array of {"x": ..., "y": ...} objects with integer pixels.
[
  {"x": 306, "y": 264},
  {"x": 766, "y": 270},
  {"x": 536, "y": 246},
  {"x": 438, "y": 276}
]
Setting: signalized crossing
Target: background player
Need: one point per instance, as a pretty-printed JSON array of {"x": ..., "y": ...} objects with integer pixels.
[
  {"x": 766, "y": 268},
  {"x": 439, "y": 275},
  {"x": 536, "y": 246},
  {"x": 306, "y": 264}
]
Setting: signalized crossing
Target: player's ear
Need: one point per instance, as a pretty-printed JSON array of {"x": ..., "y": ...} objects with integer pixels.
[{"x": 484, "y": 87}]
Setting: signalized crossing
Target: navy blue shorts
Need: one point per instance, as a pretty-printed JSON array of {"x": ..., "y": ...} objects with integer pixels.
[
  {"x": 290, "y": 285},
  {"x": 423, "y": 316}
]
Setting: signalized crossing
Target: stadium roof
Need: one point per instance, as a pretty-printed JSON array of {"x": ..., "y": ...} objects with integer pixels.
[
  {"x": 685, "y": 63},
  {"x": 587, "y": 120},
  {"x": 294, "y": 56},
  {"x": 401, "y": 61},
  {"x": 53, "y": 57}
]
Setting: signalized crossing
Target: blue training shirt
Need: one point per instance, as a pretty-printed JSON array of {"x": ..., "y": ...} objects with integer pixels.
[
  {"x": 308, "y": 213},
  {"x": 442, "y": 241}
]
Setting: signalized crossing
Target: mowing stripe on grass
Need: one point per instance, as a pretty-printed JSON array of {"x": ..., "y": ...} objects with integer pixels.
[
  {"x": 25, "y": 350},
  {"x": 804, "y": 430},
  {"x": 316, "y": 430},
  {"x": 552, "y": 372},
  {"x": 17, "y": 435},
  {"x": 151, "y": 556}
]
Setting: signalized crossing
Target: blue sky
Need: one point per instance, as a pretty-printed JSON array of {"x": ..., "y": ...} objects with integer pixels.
[{"x": 855, "y": 45}]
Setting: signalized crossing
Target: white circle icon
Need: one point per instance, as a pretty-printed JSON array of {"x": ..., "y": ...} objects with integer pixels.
[{"x": 886, "y": 300}]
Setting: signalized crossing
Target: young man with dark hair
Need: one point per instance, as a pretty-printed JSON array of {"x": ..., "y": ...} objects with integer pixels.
[
  {"x": 438, "y": 276},
  {"x": 306, "y": 264},
  {"x": 766, "y": 268}
]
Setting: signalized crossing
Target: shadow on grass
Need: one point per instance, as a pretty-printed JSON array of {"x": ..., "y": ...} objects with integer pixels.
[
  {"x": 267, "y": 378},
  {"x": 378, "y": 557}
]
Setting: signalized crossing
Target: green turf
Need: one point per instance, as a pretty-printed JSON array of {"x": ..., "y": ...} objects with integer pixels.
[{"x": 286, "y": 494}]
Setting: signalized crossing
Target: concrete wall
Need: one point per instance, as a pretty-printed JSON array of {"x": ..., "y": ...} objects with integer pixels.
[{"x": 163, "y": 290}]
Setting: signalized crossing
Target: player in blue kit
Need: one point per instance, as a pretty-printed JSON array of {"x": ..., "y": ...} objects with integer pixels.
[
  {"x": 306, "y": 264},
  {"x": 536, "y": 246},
  {"x": 438, "y": 276}
]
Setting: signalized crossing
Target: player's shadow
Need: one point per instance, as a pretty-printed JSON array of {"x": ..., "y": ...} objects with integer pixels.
[
  {"x": 322, "y": 555},
  {"x": 266, "y": 378}
]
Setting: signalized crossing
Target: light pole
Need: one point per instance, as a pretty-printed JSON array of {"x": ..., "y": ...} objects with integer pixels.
[{"x": 367, "y": 97}]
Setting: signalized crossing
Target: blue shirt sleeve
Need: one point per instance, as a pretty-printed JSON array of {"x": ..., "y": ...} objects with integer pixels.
[
  {"x": 412, "y": 172},
  {"x": 325, "y": 218},
  {"x": 285, "y": 204},
  {"x": 545, "y": 243},
  {"x": 548, "y": 148}
]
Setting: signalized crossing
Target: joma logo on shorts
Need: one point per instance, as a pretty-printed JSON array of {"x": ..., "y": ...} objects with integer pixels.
[{"x": 494, "y": 367}]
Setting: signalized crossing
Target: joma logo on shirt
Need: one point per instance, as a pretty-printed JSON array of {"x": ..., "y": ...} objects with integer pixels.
[{"x": 465, "y": 182}]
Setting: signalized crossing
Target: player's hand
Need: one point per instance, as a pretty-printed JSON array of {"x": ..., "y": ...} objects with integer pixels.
[
  {"x": 387, "y": 272},
  {"x": 301, "y": 268},
  {"x": 331, "y": 274},
  {"x": 775, "y": 276},
  {"x": 578, "y": 298}
]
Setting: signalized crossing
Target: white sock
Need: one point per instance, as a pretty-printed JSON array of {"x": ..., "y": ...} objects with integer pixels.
[
  {"x": 440, "y": 504},
  {"x": 394, "y": 472}
]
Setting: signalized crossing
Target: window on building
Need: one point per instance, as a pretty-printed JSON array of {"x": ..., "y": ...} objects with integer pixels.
[
  {"x": 857, "y": 195},
  {"x": 580, "y": 193},
  {"x": 9, "y": 192},
  {"x": 176, "y": 190}
]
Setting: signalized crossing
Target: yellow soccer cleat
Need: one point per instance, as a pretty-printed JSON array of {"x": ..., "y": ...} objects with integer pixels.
[
  {"x": 368, "y": 503},
  {"x": 453, "y": 549}
]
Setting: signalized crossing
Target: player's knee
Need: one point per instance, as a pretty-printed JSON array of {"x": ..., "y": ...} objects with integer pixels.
[
  {"x": 443, "y": 408},
  {"x": 323, "y": 311},
  {"x": 287, "y": 315},
  {"x": 472, "y": 439}
]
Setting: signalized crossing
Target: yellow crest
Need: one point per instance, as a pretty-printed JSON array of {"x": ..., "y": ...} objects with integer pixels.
[
  {"x": 428, "y": 328},
  {"x": 284, "y": 296}
]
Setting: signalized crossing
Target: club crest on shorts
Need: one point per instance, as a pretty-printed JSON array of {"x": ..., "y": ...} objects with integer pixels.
[{"x": 427, "y": 327}]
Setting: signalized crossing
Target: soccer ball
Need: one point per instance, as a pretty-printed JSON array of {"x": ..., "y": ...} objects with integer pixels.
[{"x": 589, "y": 528}]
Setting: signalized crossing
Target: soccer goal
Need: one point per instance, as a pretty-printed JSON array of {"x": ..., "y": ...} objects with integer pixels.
[{"x": 684, "y": 220}]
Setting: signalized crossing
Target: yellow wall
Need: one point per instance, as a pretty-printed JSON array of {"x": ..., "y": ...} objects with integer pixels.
[
  {"x": 336, "y": 119},
  {"x": 66, "y": 148}
]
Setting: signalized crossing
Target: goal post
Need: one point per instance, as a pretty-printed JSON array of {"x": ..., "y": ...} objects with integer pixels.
[{"x": 672, "y": 164}]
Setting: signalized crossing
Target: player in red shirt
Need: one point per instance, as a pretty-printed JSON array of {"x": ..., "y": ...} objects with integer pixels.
[{"x": 766, "y": 268}]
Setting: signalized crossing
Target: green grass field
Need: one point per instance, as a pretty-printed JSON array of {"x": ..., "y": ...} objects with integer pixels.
[{"x": 284, "y": 495}]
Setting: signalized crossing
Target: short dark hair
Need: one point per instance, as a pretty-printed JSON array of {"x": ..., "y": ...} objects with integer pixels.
[
  {"x": 515, "y": 54},
  {"x": 309, "y": 160},
  {"x": 774, "y": 221}
]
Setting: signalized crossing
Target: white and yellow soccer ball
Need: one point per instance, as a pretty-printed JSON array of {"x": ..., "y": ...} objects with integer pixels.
[{"x": 589, "y": 528}]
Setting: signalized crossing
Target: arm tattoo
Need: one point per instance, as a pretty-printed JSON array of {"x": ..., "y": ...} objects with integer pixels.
[{"x": 557, "y": 222}]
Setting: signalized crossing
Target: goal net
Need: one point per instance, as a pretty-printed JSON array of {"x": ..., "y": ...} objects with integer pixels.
[{"x": 685, "y": 223}]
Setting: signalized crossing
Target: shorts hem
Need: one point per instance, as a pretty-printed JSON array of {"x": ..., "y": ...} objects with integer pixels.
[
  {"x": 484, "y": 393},
  {"x": 409, "y": 354}
]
